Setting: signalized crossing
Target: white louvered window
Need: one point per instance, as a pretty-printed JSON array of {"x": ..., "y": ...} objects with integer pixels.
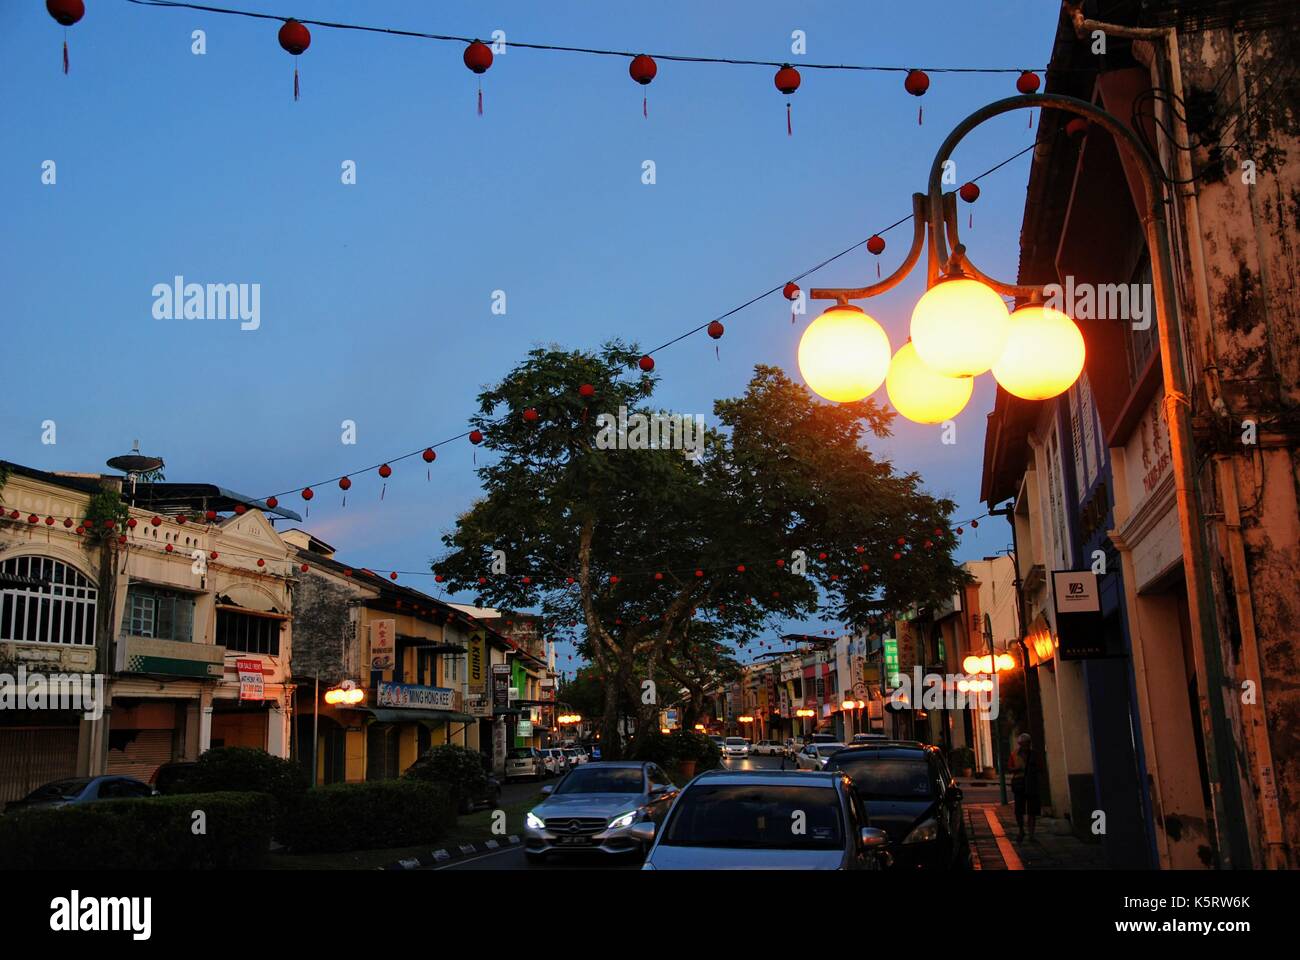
[{"x": 43, "y": 600}]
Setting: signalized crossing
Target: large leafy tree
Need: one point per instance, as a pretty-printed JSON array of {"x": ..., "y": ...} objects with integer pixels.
[{"x": 636, "y": 549}]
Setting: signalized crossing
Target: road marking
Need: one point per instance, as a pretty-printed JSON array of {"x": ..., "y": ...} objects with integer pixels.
[
  {"x": 1004, "y": 843},
  {"x": 484, "y": 856}
]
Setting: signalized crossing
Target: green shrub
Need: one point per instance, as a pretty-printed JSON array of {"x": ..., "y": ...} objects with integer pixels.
[
  {"x": 245, "y": 769},
  {"x": 359, "y": 816},
  {"x": 155, "y": 833},
  {"x": 961, "y": 758},
  {"x": 458, "y": 768}
]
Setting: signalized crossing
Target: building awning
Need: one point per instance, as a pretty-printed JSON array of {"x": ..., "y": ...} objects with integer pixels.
[{"x": 400, "y": 715}]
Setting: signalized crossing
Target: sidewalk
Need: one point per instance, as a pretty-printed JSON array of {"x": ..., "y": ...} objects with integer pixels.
[{"x": 992, "y": 831}]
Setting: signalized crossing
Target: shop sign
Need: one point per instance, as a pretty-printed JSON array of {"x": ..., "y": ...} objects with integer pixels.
[
  {"x": 383, "y": 640},
  {"x": 251, "y": 686},
  {"x": 415, "y": 697},
  {"x": 1076, "y": 596},
  {"x": 893, "y": 678},
  {"x": 476, "y": 660}
]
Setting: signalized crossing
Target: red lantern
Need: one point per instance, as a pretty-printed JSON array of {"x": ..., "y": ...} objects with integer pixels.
[
  {"x": 393, "y": 575},
  {"x": 699, "y": 573},
  {"x": 530, "y": 414},
  {"x": 916, "y": 83},
  {"x": 438, "y": 578},
  {"x": 821, "y": 556},
  {"x": 345, "y": 484},
  {"x": 212, "y": 515},
  {"x": 181, "y": 519},
  {"x": 780, "y": 563},
  {"x": 476, "y": 437},
  {"x": 642, "y": 69},
  {"x": 716, "y": 330},
  {"x": 33, "y": 518},
  {"x": 740, "y": 568},
  {"x": 1078, "y": 127},
  {"x": 131, "y": 522},
  {"x": 791, "y": 292},
  {"x": 156, "y": 521},
  {"x": 168, "y": 548},
  {"x": 307, "y": 494},
  {"x": 272, "y": 503},
  {"x": 897, "y": 555},
  {"x": 295, "y": 38},
  {"x": 66, "y": 12},
  {"x": 974, "y": 524},
  {"x": 787, "y": 81},
  {"x": 970, "y": 192},
  {"x": 261, "y": 562},
  {"x": 429, "y": 455},
  {"x": 613, "y": 578},
  {"x": 49, "y": 521},
  {"x": 1027, "y": 82},
  {"x": 121, "y": 538},
  {"x": 478, "y": 57},
  {"x": 303, "y": 568},
  {"x": 902, "y": 541},
  {"x": 67, "y": 521},
  {"x": 385, "y": 471},
  {"x": 213, "y": 555},
  {"x": 587, "y": 391},
  {"x": 659, "y": 576},
  {"x": 240, "y": 509},
  {"x": 646, "y": 363}
]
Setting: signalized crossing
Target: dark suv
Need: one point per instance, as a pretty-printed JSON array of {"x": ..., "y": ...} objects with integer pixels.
[{"x": 911, "y": 795}]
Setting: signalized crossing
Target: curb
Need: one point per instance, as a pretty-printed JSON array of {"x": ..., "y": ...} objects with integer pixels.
[{"x": 450, "y": 854}]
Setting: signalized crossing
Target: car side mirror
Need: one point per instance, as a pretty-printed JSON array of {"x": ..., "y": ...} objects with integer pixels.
[
  {"x": 873, "y": 837},
  {"x": 642, "y": 830},
  {"x": 547, "y": 790}
]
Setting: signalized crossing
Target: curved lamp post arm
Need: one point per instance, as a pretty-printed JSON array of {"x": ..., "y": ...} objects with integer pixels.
[{"x": 843, "y": 294}]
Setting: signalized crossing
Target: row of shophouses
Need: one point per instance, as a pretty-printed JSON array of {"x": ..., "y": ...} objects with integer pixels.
[
  {"x": 208, "y": 626},
  {"x": 1154, "y": 629}
]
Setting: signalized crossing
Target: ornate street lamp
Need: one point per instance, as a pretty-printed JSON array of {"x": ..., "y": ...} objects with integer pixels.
[{"x": 1031, "y": 337}]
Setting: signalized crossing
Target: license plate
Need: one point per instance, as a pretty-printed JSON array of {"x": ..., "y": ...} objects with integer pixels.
[{"x": 573, "y": 840}]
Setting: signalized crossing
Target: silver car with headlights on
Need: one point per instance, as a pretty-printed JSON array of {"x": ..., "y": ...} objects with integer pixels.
[
  {"x": 766, "y": 820},
  {"x": 596, "y": 808}
]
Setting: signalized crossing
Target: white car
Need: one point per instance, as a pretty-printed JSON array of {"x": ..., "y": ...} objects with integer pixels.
[
  {"x": 556, "y": 762},
  {"x": 574, "y": 756},
  {"x": 814, "y": 755},
  {"x": 735, "y": 747},
  {"x": 525, "y": 762},
  {"x": 768, "y": 748}
]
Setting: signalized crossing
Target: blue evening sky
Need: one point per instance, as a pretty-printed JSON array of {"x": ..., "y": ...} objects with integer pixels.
[{"x": 376, "y": 298}]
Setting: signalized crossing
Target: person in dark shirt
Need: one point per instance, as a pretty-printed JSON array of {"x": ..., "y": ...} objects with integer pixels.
[{"x": 1025, "y": 786}]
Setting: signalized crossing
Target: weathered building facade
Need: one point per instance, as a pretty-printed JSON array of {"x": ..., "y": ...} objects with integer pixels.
[{"x": 1203, "y": 645}]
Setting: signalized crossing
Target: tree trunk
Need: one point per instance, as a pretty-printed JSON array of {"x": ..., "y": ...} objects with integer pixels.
[{"x": 611, "y": 746}]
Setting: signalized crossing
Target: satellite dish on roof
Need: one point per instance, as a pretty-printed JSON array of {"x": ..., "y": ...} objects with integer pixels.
[{"x": 135, "y": 463}]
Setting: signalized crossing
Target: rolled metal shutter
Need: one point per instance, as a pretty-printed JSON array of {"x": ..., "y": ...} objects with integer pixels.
[
  {"x": 33, "y": 756},
  {"x": 143, "y": 755}
]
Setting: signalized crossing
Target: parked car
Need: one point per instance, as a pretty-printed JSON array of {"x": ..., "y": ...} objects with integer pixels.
[
  {"x": 768, "y": 748},
  {"x": 814, "y": 755},
  {"x": 735, "y": 747},
  {"x": 169, "y": 775},
  {"x": 78, "y": 790},
  {"x": 556, "y": 761},
  {"x": 575, "y": 756},
  {"x": 525, "y": 762},
  {"x": 594, "y": 808},
  {"x": 742, "y": 820},
  {"x": 489, "y": 796},
  {"x": 910, "y": 793}
]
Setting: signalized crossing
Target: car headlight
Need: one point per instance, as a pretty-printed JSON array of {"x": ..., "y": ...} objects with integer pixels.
[
  {"x": 534, "y": 822},
  {"x": 626, "y": 820},
  {"x": 929, "y": 830}
]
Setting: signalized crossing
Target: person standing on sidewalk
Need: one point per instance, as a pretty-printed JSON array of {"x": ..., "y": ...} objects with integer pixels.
[{"x": 1024, "y": 785}]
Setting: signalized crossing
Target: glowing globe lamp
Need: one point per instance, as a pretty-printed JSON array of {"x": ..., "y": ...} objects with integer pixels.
[
  {"x": 922, "y": 395},
  {"x": 959, "y": 327},
  {"x": 844, "y": 354},
  {"x": 1043, "y": 355}
]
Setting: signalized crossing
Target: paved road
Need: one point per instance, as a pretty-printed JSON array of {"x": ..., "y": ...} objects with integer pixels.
[{"x": 512, "y": 858}]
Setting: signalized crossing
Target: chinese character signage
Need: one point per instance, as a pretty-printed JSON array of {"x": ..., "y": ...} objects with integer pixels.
[
  {"x": 383, "y": 639},
  {"x": 892, "y": 676},
  {"x": 417, "y": 697}
]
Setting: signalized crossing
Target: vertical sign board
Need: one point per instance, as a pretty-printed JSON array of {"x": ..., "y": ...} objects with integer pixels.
[
  {"x": 477, "y": 673},
  {"x": 500, "y": 686},
  {"x": 892, "y": 676},
  {"x": 1077, "y": 600},
  {"x": 383, "y": 640},
  {"x": 250, "y": 680}
]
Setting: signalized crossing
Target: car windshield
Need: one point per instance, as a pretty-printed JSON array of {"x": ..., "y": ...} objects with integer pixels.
[
  {"x": 756, "y": 817},
  {"x": 59, "y": 790},
  {"x": 736, "y": 741},
  {"x": 879, "y": 778},
  {"x": 589, "y": 779},
  {"x": 521, "y": 753},
  {"x": 826, "y": 749}
]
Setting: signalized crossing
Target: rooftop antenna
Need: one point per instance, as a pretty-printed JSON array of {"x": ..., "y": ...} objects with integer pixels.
[{"x": 133, "y": 464}]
